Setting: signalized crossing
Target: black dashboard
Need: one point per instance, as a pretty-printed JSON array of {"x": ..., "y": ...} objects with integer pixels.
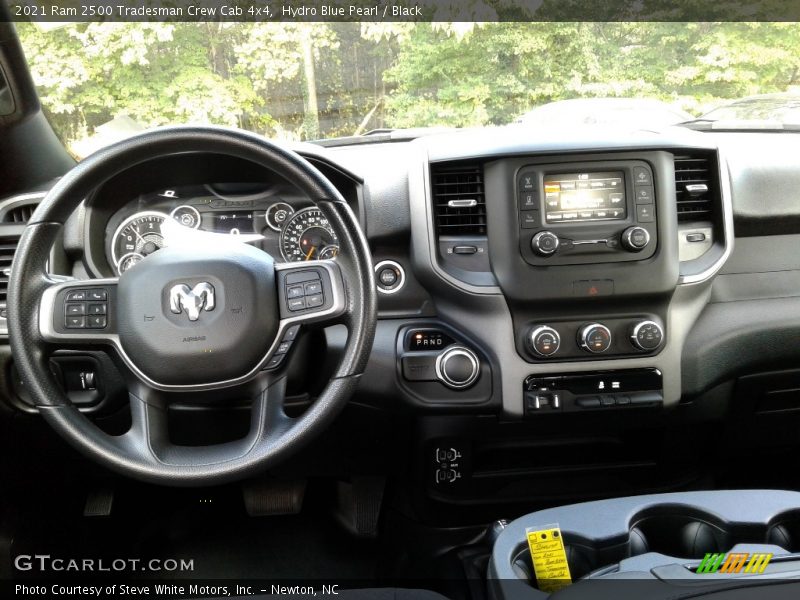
[{"x": 557, "y": 287}]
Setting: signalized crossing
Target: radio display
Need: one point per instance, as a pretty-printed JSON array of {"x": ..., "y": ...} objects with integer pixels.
[{"x": 584, "y": 196}]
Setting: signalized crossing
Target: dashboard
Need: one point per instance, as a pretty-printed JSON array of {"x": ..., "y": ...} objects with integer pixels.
[{"x": 282, "y": 224}]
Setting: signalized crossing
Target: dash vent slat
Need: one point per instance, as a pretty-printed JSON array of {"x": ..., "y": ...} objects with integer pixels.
[
  {"x": 459, "y": 199},
  {"x": 696, "y": 186}
]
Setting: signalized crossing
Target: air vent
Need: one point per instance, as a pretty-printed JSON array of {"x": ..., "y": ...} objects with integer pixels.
[
  {"x": 696, "y": 186},
  {"x": 459, "y": 201},
  {"x": 19, "y": 214},
  {"x": 7, "y": 249}
]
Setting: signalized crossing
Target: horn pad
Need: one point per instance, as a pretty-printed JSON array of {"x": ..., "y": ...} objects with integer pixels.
[{"x": 193, "y": 316}]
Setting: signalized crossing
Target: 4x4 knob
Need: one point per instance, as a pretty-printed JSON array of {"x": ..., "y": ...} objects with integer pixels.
[
  {"x": 544, "y": 243},
  {"x": 457, "y": 367}
]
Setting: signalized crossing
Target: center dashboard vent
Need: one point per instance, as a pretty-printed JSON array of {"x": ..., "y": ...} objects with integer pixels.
[
  {"x": 7, "y": 250},
  {"x": 696, "y": 185},
  {"x": 459, "y": 200}
]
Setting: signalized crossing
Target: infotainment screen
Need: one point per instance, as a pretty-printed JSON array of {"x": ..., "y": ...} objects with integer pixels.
[{"x": 584, "y": 196}]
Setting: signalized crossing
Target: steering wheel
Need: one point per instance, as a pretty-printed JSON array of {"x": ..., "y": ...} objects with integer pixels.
[{"x": 215, "y": 322}]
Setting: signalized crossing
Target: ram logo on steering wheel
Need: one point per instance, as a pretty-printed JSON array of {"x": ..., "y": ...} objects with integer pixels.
[{"x": 192, "y": 300}]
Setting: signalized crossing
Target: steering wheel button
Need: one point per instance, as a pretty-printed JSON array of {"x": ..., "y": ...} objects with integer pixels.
[
  {"x": 76, "y": 310},
  {"x": 295, "y": 304},
  {"x": 315, "y": 300},
  {"x": 96, "y": 322},
  {"x": 291, "y": 333},
  {"x": 97, "y": 295},
  {"x": 313, "y": 287},
  {"x": 295, "y": 291},
  {"x": 275, "y": 361},
  {"x": 283, "y": 347},
  {"x": 76, "y": 295},
  {"x": 97, "y": 309},
  {"x": 75, "y": 322},
  {"x": 302, "y": 276}
]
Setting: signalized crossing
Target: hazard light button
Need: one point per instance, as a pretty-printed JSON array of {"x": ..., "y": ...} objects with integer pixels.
[{"x": 593, "y": 288}]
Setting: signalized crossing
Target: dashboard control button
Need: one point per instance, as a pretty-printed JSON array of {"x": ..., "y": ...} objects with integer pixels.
[
  {"x": 645, "y": 213},
  {"x": 643, "y": 195},
  {"x": 465, "y": 249},
  {"x": 527, "y": 182},
  {"x": 390, "y": 276},
  {"x": 608, "y": 400},
  {"x": 544, "y": 341},
  {"x": 623, "y": 400},
  {"x": 457, "y": 367},
  {"x": 593, "y": 288},
  {"x": 595, "y": 338},
  {"x": 529, "y": 219},
  {"x": 528, "y": 201},
  {"x": 419, "y": 368},
  {"x": 642, "y": 176},
  {"x": 590, "y": 402},
  {"x": 647, "y": 335},
  {"x": 635, "y": 239},
  {"x": 545, "y": 243}
]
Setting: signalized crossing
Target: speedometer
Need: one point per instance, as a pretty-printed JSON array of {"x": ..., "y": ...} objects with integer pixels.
[
  {"x": 307, "y": 235},
  {"x": 136, "y": 237}
]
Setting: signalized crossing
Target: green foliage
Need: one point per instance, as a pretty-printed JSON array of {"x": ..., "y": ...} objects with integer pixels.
[{"x": 373, "y": 75}]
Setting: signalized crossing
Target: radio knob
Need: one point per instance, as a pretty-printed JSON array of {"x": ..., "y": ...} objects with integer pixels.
[
  {"x": 595, "y": 338},
  {"x": 647, "y": 335},
  {"x": 544, "y": 341},
  {"x": 544, "y": 243},
  {"x": 635, "y": 239},
  {"x": 458, "y": 367}
]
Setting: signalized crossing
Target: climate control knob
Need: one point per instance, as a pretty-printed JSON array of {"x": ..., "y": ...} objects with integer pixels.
[
  {"x": 594, "y": 338},
  {"x": 544, "y": 341},
  {"x": 647, "y": 335},
  {"x": 635, "y": 239},
  {"x": 545, "y": 243},
  {"x": 457, "y": 367}
]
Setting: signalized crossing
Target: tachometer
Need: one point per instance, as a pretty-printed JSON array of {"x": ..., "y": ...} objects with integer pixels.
[
  {"x": 307, "y": 235},
  {"x": 136, "y": 237}
]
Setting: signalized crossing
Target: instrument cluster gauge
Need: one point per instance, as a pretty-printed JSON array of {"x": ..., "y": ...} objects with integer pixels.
[
  {"x": 307, "y": 235},
  {"x": 277, "y": 214},
  {"x": 186, "y": 215},
  {"x": 136, "y": 237}
]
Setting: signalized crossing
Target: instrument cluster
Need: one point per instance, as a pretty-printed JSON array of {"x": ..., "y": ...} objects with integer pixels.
[{"x": 286, "y": 226}]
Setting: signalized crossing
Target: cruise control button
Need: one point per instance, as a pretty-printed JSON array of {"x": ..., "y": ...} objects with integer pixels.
[
  {"x": 315, "y": 300},
  {"x": 313, "y": 287},
  {"x": 76, "y": 295},
  {"x": 76, "y": 310},
  {"x": 295, "y": 291},
  {"x": 75, "y": 322},
  {"x": 295, "y": 304}
]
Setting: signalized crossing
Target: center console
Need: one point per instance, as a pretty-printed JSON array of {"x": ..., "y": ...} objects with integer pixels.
[{"x": 658, "y": 546}]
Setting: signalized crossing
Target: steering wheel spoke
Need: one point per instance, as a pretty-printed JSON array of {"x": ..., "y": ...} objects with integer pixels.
[{"x": 79, "y": 313}]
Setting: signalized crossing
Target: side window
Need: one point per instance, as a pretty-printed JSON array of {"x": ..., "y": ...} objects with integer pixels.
[{"x": 6, "y": 99}]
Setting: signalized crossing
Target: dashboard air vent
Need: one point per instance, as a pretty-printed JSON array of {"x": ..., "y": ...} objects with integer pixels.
[
  {"x": 7, "y": 249},
  {"x": 459, "y": 201},
  {"x": 19, "y": 214},
  {"x": 696, "y": 185}
]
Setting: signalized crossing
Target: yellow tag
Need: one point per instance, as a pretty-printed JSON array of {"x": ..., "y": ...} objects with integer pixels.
[{"x": 549, "y": 558}]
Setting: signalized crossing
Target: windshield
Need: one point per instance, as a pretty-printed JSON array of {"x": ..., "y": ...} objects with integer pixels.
[{"x": 304, "y": 81}]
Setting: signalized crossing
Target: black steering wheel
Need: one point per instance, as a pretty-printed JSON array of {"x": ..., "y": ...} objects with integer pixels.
[{"x": 214, "y": 322}]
